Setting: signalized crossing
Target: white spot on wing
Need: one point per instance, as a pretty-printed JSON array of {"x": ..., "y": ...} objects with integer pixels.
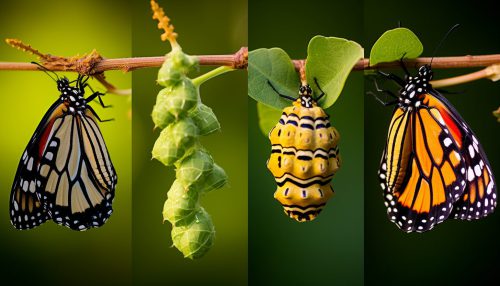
[
  {"x": 471, "y": 151},
  {"x": 30, "y": 164},
  {"x": 470, "y": 174},
  {"x": 32, "y": 186},
  {"x": 477, "y": 170},
  {"x": 49, "y": 156}
]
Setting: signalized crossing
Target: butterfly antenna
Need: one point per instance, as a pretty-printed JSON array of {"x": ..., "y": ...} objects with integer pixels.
[
  {"x": 47, "y": 71},
  {"x": 442, "y": 41}
]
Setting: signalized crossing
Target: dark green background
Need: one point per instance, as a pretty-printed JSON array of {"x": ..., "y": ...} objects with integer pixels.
[
  {"x": 51, "y": 254},
  {"x": 350, "y": 243},
  {"x": 204, "y": 27},
  {"x": 328, "y": 250},
  {"x": 455, "y": 252}
]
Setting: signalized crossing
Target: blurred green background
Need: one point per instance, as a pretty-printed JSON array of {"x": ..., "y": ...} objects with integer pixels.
[
  {"x": 455, "y": 252},
  {"x": 350, "y": 243},
  {"x": 328, "y": 250},
  {"x": 204, "y": 27},
  {"x": 51, "y": 253}
]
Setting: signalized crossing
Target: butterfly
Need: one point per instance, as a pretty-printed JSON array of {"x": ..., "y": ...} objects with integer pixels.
[
  {"x": 304, "y": 156},
  {"x": 433, "y": 166},
  {"x": 65, "y": 173}
]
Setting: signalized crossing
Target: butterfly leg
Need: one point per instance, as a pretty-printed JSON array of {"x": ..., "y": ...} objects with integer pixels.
[
  {"x": 393, "y": 77},
  {"x": 97, "y": 116},
  {"x": 388, "y": 92},
  {"x": 402, "y": 64},
  {"x": 282, "y": 95},
  {"x": 77, "y": 80},
  {"x": 98, "y": 95},
  {"x": 83, "y": 82},
  {"x": 322, "y": 92},
  {"x": 384, "y": 103}
]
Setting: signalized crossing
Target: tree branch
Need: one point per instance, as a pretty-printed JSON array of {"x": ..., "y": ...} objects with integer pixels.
[
  {"x": 437, "y": 63},
  {"x": 492, "y": 72},
  {"x": 239, "y": 60}
]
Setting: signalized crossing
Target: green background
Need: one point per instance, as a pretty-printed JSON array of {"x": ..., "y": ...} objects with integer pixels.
[
  {"x": 328, "y": 250},
  {"x": 204, "y": 27},
  {"x": 455, "y": 252},
  {"x": 51, "y": 253},
  {"x": 350, "y": 243}
]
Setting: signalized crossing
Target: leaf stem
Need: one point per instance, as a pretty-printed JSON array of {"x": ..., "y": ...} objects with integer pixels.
[
  {"x": 211, "y": 74},
  {"x": 492, "y": 72}
]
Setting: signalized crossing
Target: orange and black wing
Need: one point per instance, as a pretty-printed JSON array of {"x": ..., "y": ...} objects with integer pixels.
[
  {"x": 26, "y": 208},
  {"x": 420, "y": 171},
  {"x": 480, "y": 195},
  {"x": 76, "y": 175}
]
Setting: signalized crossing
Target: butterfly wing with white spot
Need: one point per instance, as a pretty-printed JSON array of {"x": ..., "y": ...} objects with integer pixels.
[
  {"x": 76, "y": 174},
  {"x": 479, "y": 197},
  {"x": 420, "y": 170},
  {"x": 26, "y": 208}
]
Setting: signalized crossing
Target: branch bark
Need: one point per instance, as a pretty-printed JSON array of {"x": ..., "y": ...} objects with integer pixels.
[{"x": 239, "y": 60}]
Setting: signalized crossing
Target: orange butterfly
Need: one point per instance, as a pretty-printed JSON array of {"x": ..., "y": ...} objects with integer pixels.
[{"x": 433, "y": 166}]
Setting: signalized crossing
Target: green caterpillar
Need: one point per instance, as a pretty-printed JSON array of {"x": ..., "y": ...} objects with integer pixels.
[{"x": 182, "y": 117}]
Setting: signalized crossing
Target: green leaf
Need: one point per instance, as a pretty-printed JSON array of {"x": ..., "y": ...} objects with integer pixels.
[
  {"x": 330, "y": 60},
  {"x": 394, "y": 45},
  {"x": 268, "y": 117},
  {"x": 273, "y": 65}
]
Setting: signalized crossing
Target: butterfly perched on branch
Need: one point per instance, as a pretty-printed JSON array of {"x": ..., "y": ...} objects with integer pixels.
[
  {"x": 433, "y": 166},
  {"x": 65, "y": 173}
]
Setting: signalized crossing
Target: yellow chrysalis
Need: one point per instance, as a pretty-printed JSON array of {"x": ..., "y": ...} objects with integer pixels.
[{"x": 304, "y": 156}]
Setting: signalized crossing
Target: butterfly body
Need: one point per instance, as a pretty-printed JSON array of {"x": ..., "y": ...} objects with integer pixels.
[
  {"x": 428, "y": 172},
  {"x": 65, "y": 173},
  {"x": 304, "y": 158}
]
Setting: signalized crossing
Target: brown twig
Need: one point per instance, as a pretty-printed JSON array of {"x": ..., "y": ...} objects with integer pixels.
[
  {"x": 240, "y": 62},
  {"x": 437, "y": 63},
  {"x": 492, "y": 72},
  {"x": 94, "y": 65}
]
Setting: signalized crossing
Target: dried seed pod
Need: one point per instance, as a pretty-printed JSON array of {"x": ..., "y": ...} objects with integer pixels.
[
  {"x": 196, "y": 238},
  {"x": 194, "y": 167},
  {"x": 173, "y": 102},
  {"x": 177, "y": 64},
  {"x": 161, "y": 116},
  {"x": 213, "y": 181},
  {"x": 304, "y": 157},
  {"x": 181, "y": 205},
  {"x": 174, "y": 141},
  {"x": 179, "y": 110},
  {"x": 205, "y": 119}
]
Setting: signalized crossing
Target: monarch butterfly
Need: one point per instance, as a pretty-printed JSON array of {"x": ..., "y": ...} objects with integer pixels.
[
  {"x": 433, "y": 166},
  {"x": 65, "y": 173},
  {"x": 304, "y": 156}
]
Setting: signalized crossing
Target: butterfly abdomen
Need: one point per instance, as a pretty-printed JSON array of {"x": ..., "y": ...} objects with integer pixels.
[{"x": 303, "y": 160}]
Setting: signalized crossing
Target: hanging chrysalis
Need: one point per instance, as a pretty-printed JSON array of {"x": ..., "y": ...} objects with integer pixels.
[{"x": 304, "y": 156}]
